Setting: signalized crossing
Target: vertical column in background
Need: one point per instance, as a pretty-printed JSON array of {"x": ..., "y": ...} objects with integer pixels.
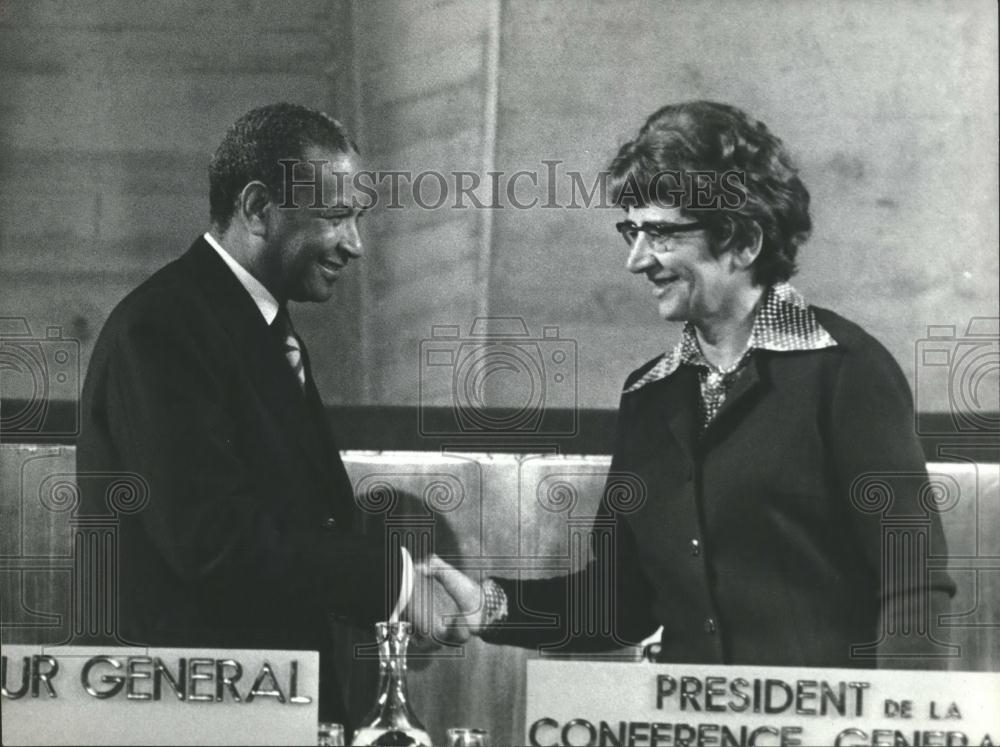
[{"x": 425, "y": 79}]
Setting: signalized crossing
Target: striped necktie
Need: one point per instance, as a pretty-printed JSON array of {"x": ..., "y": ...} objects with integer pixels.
[{"x": 282, "y": 326}]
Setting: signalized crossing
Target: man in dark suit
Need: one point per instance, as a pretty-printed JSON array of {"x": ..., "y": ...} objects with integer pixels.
[{"x": 199, "y": 387}]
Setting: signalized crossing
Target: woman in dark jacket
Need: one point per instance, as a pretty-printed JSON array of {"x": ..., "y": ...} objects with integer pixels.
[{"x": 761, "y": 466}]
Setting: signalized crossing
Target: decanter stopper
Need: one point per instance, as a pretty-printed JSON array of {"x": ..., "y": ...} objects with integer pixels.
[{"x": 392, "y": 722}]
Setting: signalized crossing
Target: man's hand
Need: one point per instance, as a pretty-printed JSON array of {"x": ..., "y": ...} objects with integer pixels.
[
  {"x": 437, "y": 616},
  {"x": 466, "y": 594}
]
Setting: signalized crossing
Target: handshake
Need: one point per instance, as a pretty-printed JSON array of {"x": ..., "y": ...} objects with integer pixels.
[{"x": 446, "y": 607}]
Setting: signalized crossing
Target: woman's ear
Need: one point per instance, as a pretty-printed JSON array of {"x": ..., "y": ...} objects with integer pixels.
[
  {"x": 252, "y": 207},
  {"x": 746, "y": 248}
]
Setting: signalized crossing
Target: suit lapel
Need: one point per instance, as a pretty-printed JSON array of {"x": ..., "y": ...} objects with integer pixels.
[
  {"x": 323, "y": 448},
  {"x": 743, "y": 392},
  {"x": 683, "y": 417},
  {"x": 669, "y": 409},
  {"x": 262, "y": 356},
  {"x": 314, "y": 434}
]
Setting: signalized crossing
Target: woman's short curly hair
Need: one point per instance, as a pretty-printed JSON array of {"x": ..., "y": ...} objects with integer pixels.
[
  {"x": 705, "y": 137},
  {"x": 257, "y": 141}
]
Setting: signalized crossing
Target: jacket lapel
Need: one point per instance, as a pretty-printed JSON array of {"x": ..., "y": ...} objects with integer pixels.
[
  {"x": 262, "y": 356},
  {"x": 681, "y": 391},
  {"x": 314, "y": 433},
  {"x": 743, "y": 392}
]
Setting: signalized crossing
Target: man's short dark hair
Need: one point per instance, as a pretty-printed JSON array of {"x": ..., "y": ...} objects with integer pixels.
[
  {"x": 257, "y": 141},
  {"x": 704, "y": 136}
]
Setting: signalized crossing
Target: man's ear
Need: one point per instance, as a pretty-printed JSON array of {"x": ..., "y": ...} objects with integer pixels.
[
  {"x": 252, "y": 206},
  {"x": 748, "y": 249}
]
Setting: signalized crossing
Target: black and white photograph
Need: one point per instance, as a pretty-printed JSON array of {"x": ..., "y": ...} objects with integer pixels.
[{"x": 458, "y": 373}]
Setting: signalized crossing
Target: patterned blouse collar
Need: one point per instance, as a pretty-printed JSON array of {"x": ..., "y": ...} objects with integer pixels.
[{"x": 784, "y": 323}]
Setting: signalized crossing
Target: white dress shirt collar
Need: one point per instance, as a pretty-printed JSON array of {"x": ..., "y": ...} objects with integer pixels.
[{"x": 261, "y": 296}]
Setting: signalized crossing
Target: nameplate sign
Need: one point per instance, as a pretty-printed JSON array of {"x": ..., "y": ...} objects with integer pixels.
[
  {"x": 121, "y": 696},
  {"x": 673, "y": 705}
]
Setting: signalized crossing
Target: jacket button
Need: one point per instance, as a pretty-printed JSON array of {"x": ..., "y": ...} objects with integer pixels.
[
  {"x": 710, "y": 625},
  {"x": 695, "y": 547},
  {"x": 330, "y": 523}
]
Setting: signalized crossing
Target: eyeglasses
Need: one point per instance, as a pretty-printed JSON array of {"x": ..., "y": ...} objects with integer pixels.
[{"x": 657, "y": 232}]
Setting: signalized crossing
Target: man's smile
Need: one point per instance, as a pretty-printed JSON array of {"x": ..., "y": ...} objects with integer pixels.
[{"x": 330, "y": 267}]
